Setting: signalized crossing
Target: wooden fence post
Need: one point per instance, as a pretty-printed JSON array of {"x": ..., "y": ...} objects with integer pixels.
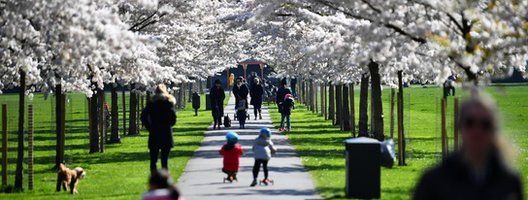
[
  {"x": 30, "y": 147},
  {"x": 443, "y": 128},
  {"x": 4, "y": 144},
  {"x": 456, "y": 124}
]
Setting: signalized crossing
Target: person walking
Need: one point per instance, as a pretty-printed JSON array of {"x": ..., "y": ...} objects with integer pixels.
[
  {"x": 158, "y": 117},
  {"x": 281, "y": 93},
  {"x": 479, "y": 170},
  {"x": 262, "y": 149},
  {"x": 257, "y": 94},
  {"x": 287, "y": 106},
  {"x": 231, "y": 81},
  {"x": 241, "y": 91},
  {"x": 217, "y": 96}
]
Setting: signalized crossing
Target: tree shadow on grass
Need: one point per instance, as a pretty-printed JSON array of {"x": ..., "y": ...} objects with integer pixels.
[{"x": 111, "y": 157}]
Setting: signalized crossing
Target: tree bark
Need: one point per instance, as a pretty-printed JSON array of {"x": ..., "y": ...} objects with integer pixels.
[
  {"x": 392, "y": 95},
  {"x": 102, "y": 120},
  {"x": 339, "y": 106},
  {"x": 123, "y": 101},
  {"x": 322, "y": 100},
  {"x": 60, "y": 113},
  {"x": 94, "y": 124},
  {"x": 401, "y": 132},
  {"x": 363, "y": 106},
  {"x": 114, "y": 135},
  {"x": 331, "y": 107},
  {"x": 316, "y": 93},
  {"x": 19, "y": 173},
  {"x": 132, "y": 123},
  {"x": 352, "y": 110},
  {"x": 377, "y": 105},
  {"x": 346, "y": 109}
]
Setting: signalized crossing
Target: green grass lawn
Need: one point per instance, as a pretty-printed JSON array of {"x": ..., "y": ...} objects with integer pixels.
[
  {"x": 120, "y": 172},
  {"x": 321, "y": 147}
]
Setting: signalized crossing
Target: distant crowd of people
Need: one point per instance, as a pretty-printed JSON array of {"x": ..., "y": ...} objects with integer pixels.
[{"x": 479, "y": 170}]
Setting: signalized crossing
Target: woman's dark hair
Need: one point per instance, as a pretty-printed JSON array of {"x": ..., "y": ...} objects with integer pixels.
[
  {"x": 162, "y": 179},
  {"x": 217, "y": 81},
  {"x": 284, "y": 82}
]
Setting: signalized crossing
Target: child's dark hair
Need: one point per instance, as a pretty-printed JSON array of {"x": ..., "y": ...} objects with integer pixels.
[{"x": 162, "y": 179}]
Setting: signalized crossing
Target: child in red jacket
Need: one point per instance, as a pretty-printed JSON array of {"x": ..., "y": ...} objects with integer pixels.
[{"x": 231, "y": 151}]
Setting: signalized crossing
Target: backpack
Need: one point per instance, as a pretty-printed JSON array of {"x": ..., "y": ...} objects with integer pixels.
[
  {"x": 227, "y": 121},
  {"x": 287, "y": 105},
  {"x": 241, "y": 105}
]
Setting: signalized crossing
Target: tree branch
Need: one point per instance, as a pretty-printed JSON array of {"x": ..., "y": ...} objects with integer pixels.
[{"x": 385, "y": 24}]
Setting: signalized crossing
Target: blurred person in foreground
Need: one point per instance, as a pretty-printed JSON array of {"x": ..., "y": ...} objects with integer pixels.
[
  {"x": 480, "y": 169},
  {"x": 161, "y": 187}
]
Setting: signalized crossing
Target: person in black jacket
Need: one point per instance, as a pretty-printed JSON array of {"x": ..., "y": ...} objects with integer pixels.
[
  {"x": 281, "y": 93},
  {"x": 257, "y": 93},
  {"x": 217, "y": 96},
  {"x": 240, "y": 91},
  {"x": 158, "y": 117},
  {"x": 479, "y": 170}
]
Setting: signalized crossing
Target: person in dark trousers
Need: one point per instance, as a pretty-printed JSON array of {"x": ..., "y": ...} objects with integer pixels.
[
  {"x": 196, "y": 102},
  {"x": 217, "y": 96},
  {"x": 251, "y": 79},
  {"x": 286, "y": 108},
  {"x": 241, "y": 91},
  {"x": 293, "y": 85},
  {"x": 257, "y": 95},
  {"x": 263, "y": 149},
  {"x": 281, "y": 93},
  {"x": 480, "y": 169},
  {"x": 158, "y": 117}
]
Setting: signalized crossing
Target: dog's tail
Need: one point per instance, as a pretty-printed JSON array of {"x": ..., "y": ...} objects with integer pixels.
[{"x": 62, "y": 167}]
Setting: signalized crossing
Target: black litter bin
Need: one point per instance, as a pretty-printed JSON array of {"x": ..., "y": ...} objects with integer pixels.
[
  {"x": 207, "y": 102},
  {"x": 362, "y": 168}
]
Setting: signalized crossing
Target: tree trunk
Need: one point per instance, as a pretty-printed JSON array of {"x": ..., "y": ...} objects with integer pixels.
[
  {"x": 363, "y": 106},
  {"x": 60, "y": 113},
  {"x": 190, "y": 92},
  {"x": 19, "y": 173},
  {"x": 401, "y": 135},
  {"x": 123, "y": 101},
  {"x": 132, "y": 123},
  {"x": 352, "y": 110},
  {"x": 114, "y": 135},
  {"x": 346, "y": 109},
  {"x": 339, "y": 107},
  {"x": 331, "y": 107},
  {"x": 392, "y": 95},
  {"x": 94, "y": 124},
  {"x": 102, "y": 120},
  {"x": 377, "y": 104},
  {"x": 323, "y": 101},
  {"x": 316, "y": 93}
]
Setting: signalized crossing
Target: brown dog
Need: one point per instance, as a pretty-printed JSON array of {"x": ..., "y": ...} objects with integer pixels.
[{"x": 68, "y": 177}]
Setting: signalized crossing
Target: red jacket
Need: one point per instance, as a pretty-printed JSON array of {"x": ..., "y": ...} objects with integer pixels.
[{"x": 232, "y": 157}]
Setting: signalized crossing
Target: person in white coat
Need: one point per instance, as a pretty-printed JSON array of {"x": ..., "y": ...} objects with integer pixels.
[{"x": 262, "y": 149}]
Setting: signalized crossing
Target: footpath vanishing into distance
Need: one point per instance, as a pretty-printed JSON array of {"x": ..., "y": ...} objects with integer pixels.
[{"x": 203, "y": 177}]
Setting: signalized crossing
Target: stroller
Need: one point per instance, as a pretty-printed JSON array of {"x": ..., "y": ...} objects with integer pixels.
[{"x": 241, "y": 113}]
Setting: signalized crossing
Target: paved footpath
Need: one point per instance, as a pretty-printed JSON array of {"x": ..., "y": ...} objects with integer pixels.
[{"x": 203, "y": 178}]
